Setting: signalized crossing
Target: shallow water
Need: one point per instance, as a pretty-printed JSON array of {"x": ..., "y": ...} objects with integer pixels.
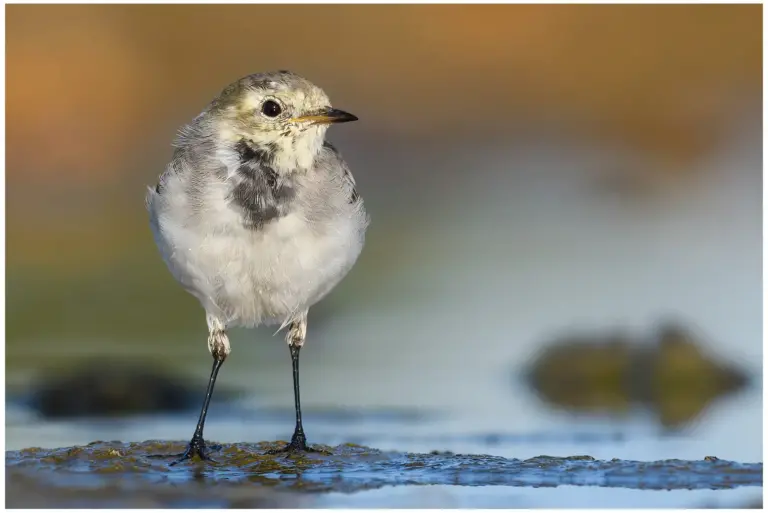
[{"x": 421, "y": 459}]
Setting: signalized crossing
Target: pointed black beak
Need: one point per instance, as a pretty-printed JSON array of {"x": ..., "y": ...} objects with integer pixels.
[
  {"x": 327, "y": 116},
  {"x": 339, "y": 116}
]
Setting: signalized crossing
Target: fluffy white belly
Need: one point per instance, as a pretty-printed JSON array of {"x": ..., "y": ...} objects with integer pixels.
[{"x": 250, "y": 277}]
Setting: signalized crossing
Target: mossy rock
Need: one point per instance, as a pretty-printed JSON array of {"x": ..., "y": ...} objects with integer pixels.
[
  {"x": 613, "y": 374},
  {"x": 242, "y": 474}
]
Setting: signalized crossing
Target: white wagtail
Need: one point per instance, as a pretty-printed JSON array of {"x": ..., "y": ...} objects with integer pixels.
[{"x": 257, "y": 215}]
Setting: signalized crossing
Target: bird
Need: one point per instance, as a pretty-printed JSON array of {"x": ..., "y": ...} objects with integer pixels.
[{"x": 258, "y": 216}]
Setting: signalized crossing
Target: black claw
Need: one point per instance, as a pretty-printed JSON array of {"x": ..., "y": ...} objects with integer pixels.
[
  {"x": 298, "y": 444},
  {"x": 196, "y": 448},
  {"x": 292, "y": 449},
  {"x": 299, "y": 441}
]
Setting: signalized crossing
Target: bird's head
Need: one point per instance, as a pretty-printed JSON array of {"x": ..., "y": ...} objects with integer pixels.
[{"x": 280, "y": 115}]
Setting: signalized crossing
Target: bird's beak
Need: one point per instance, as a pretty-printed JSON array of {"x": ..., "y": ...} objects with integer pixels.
[{"x": 327, "y": 116}]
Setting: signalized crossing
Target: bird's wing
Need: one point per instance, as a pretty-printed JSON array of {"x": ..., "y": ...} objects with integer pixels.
[{"x": 346, "y": 173}]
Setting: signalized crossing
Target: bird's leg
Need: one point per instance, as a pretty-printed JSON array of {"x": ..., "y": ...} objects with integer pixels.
[
  {"x": 218, "y": 344},
  {"x": 297, "y": 333}
]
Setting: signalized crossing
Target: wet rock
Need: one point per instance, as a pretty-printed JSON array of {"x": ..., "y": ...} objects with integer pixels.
[
  {"x": 245, "y": 470},
  {"x": 671, "y": 376},
  {"x": 109, "y": 388}
]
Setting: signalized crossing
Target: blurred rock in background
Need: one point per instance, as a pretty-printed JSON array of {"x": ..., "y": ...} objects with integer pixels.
[
  {"x": 612, "y": 374},
  {"x": 113, "y": 388}
]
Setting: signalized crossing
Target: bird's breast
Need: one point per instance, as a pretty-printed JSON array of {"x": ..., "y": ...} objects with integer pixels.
[{"x": 250, "y": 276}]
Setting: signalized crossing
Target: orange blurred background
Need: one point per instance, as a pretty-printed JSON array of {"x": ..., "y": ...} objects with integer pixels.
[
  {"x": 94, "y": 92},
  {"x": 87, "y": 84}
]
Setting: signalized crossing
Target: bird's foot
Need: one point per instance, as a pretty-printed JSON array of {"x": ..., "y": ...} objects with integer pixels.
[
  {"x": 197, "y": 448},
  {"x": 298, "y": 444}
]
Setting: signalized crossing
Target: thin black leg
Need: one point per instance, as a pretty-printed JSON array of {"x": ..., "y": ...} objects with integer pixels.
[
  {"x": 299, "y": 439},
  {"x": 197, "y": 444}
]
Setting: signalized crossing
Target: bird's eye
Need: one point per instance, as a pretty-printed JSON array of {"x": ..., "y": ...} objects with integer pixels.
[{"x": 271, "y": 109}]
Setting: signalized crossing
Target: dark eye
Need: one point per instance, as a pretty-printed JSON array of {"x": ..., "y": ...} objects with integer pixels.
[{"x": 271, "y": 109}]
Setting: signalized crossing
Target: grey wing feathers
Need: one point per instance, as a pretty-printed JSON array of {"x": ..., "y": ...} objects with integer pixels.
[
  {"x": 175, "y": 167},
  {"x": 354, "y": 196}
]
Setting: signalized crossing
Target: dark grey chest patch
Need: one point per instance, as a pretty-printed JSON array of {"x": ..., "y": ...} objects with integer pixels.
[{"x": 260, "y": 195}]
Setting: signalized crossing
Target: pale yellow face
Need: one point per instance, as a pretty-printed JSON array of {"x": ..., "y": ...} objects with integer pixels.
[
  {"x": 281, "y": 112},
  {"x": 292, "y": 102},
  {"x": 266, "y": 107}
]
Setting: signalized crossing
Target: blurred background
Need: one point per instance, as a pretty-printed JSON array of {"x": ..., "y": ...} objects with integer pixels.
[{"x": 564, "y": 258}]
